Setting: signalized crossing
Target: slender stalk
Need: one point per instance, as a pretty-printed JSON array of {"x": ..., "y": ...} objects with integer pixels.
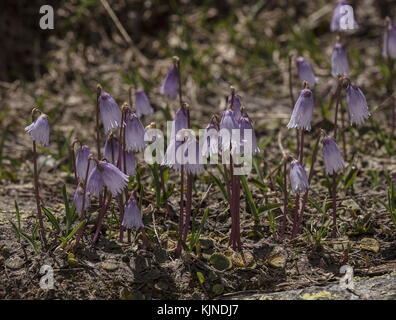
[
  {"x": 227, "y": 181},
  {"x": 119, "y": 165},
  {"x": 334, "y": 233},
  {"x": 301, "y": 151},
  {"x": 296, "y": 217},
  {"x": 343, "y": 128},
  {"x": 236, "y": 195},
  {"x": 310, "y": 176},
  {"x": 338, "y": 100},
  {"x": 176, "y": 62},
  {"x": 181, "y": 214},
  {"x": 285, "y": 200},
  {"x": 101, "y": 216},
  {"x": 334, "y": 192},
  {"x": 37, "y": 195},
  {"x": 81, "y": 231},
  {"x": 235, "y": 236},
  {"x": 292, "y": 100},
  {"x": 73, "y": 157},
  {"x": 189, "y": 192},
  {"x": 98, "y": 92}
]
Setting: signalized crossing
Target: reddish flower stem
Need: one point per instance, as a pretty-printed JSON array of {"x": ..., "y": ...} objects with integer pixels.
[
  {"x": 37, "y": 195},
  {"x": 101, "y": 216}
]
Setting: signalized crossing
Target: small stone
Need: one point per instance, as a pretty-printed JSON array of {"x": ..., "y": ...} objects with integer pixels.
[
  {"x": 321, "y": 295},
  {"x": 369, "y": 244},
  {"x": 14, "y": 263},
  {"x": 278, "y": 258},
  {"x": 220, "y": 261},
  {"x": 242, "y": 260},
  {"x": 109, "y": 265}
]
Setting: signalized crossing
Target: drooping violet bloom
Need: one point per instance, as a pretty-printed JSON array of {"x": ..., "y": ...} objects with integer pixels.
[
  {"x": 210, "y": 146},
  {"x": 39, "y": 130},
  {"x": 82, "y": 155},
  {"x": 95, "y": 182},
  {"x": 111, "y": 149},
  {"x": 132, "y": 216},
  {"x": 130, "y": 163},
  {"x": 389, "y": 44},
  {"x": 143, "y": 106},
  {"x": 236, "y": 106},
  {"x": 227, "y": 124},
  {"x": 358, "y": 109},
  {"x": 109, "y": 111},
  {"x": 305, "y": 71},
  {"x": 332, "y": 156},
  {"x": 134, "y": 132},
  {"x": 170, "y": 85},
  {"x": 78, "y": 200},
  {"x": 302, "y": 112},
  {"x": 179, "y": 122},
  {"x": 115, "y": 180},
  {"x": 339, "y": 61},
  {"x": 298, "y": 178},
  {"x": 192, "y": 161},
  {"x": 228, "y": 121},
  {"x": 343, "y": 18},
  {"x": 245, "y": 123}
]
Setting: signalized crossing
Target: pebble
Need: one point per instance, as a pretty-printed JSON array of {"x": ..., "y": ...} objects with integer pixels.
[
  {"x": 14, "y": 263},
  {"x": 369, "y": 244},
  {"x": 109, "y": 265}
]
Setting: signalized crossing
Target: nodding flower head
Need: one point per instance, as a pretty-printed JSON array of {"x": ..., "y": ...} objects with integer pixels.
[
  {"x": 302, "y": 112},
  {"x": 115, "y": 180},
  {"x": 339, "y": 61},
  {"x": 109, "y": 111},
  {"x": 170, "y": 85},
  {"x": 78, "y": 200},
  {"x": 332, "y": 156},
  {"x": 227, "y": 124},
  {"x": 358, "y": 109},
  {"x": 39, "y": 130},
  {"x": 210, "y": 146},
  {"x": 132, "y": 216},
  {"x": 130, "y": 163},
  {"x": 111, "y": 149},
  {"x": 389, "y": 45},
  {"x": 134, "y": 132},
  {"x": 180, "y": 121},
  {"x": 305, "y": 71},
  {"x": 95, "y": 182},
  {"x": 142, "y": 103},
  {"x": 298, "y": 178},
  {"x": 246, "y": 124},
  {"x": 339, "y": 12},
  {"x": 190, "y": 156},
  {"x": 228, "y": 121},
  {"x": 236, "y": 105},
  {"x": 82, "y": 155}
]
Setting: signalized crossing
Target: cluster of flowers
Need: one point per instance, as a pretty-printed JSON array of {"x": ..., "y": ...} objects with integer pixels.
[{"x": 97, "y": 176}]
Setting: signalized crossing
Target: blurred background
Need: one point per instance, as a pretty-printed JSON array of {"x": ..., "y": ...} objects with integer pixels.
[{"x": 224, "y": 42}]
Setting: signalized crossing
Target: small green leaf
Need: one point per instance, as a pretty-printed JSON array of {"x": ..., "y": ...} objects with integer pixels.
[{"x": 200, "y": 277}]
